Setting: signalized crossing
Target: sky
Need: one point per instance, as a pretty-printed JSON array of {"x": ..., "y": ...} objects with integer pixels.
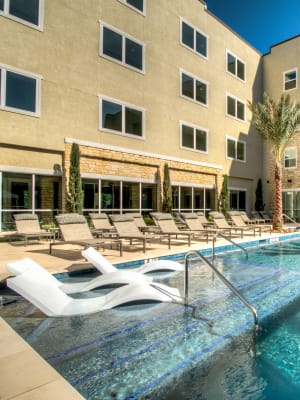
[{"x": 262, "y": 23}]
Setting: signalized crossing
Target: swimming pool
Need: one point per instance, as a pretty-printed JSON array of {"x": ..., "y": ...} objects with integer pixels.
[{"x": 163, "y": 351}]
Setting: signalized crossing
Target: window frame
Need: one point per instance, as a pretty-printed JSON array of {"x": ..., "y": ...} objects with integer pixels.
[
  {"x": 3, "y": 83},
  {"x": 236, "y": 142},
  {"x": 194, "y": 127},
  {"x": 195, "y": 78},
  {"x": 5, "y": 13},
  {"x": 295, "y": 158},
  {"x": 123, "y": 105},
  {"x": 134, "y": 8},
  {"x": 237, "y": 59},
  {"x": 193, "y": 49},
  {"x": 296, "y": 79},
  {"x": 124, "y": 37},
  {"x": 236, "y": 100}
]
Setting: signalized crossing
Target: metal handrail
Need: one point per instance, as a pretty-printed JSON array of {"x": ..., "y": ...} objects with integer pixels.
[
  {"x": 290, "y": 219},
  {"x": 229, "y": 240},
  {"x": 220, "y": 276}
]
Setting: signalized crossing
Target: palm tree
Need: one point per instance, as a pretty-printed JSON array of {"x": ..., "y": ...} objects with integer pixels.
[{"x": 276, "y": 123}]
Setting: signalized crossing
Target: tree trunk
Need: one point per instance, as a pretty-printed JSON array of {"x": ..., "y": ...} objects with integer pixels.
[{"x": 277, "y": 218}]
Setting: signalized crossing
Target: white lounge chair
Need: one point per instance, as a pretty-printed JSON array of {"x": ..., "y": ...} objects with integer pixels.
[
  {"x": 104, "y": 266},
  {"x": 52, "y": 301},
  {"x": 115, "y": 277}
]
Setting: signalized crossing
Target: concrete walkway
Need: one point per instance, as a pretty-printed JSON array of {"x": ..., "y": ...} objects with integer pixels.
[{"x": 24, "y": 374}]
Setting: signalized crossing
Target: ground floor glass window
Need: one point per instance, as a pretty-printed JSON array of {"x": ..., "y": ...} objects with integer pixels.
[
  {"x": 291, "y": 204},
  {"x": 29, "y": 193}
]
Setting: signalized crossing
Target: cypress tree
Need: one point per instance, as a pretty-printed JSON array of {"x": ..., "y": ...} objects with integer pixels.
[
  {"x": 75, "y": 193},
  {"x": 259, "y": 203},
  {"x": 167, "y": 191},
  {"x": 224, "y": 197}
]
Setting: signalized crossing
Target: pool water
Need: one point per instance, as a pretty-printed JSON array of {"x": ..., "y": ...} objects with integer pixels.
[{"x": 167, "y": 351}]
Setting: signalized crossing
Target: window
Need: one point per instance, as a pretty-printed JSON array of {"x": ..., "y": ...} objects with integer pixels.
[
  {"x": 20, "y": 91},
  {"x": 186, "y": 197},
  {"x": 121, "y": 48},
  {"x": 121, "y": 118},
  {"x": 193, "y": 88},
  {"x": 236, "y": 149},
  {"x": 290, "y": 157},
  {"x": 193, "y": 137},
  {"x": 235, "y": 66},
  {"x": 193, "y": 39},
  {"x": 139, "y": 5},
  {"x": 237, "y": 199},
  {"x": 28, "y": 12},
  {"x": 291, "y": 204},
  {"x": 235, "y": 108},
  {"x": 40, "y": 194},
  {"x": 290, "y": 79}
]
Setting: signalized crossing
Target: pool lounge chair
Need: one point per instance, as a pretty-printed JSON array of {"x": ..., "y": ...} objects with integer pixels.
[
  {"x": 127, "y": 229},
  {"x": 259, "y": 219},
  {"x": 102, "y": 224},
  {"x": 75, "y": 230},
  {"x": 28, "y": 227},
  {"x": 194, "y": 224},
  {"x": 246, "y": 218},
  {"x": 104, "y": 266},
  {"x": 222, "y": 224},
  {"x": 168, "y": 226},
  {"x": 53, "y": 302},
  {"x": 238, "y": 221},
  {"x": 115, "y": 277},
  {"x": 140, "y": 222},
  {"x": 204, "y": 221}
]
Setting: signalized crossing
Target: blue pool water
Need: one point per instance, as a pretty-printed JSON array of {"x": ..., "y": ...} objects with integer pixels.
[{"x": 168, "y": 352}]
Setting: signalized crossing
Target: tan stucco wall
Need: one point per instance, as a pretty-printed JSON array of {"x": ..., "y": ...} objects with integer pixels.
[
  {"x": 282, "y": 57},
  {"x": 66, "y": 55},
  {"x": 31, "y": 159}
]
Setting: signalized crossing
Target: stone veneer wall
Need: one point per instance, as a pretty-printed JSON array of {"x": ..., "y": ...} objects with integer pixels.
[{"x": 99, "y": 161}]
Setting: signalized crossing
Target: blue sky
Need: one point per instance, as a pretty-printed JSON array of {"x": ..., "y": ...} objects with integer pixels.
[{"x": 261, "y": 22}]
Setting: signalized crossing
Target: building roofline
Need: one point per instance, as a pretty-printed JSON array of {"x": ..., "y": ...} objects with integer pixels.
[
  {"x": 281, "y": 42},
  {"x": 228, "y": 27}
]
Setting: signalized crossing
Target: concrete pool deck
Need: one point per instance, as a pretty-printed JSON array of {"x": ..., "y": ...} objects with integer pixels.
[{"x": 24, "y": 374}]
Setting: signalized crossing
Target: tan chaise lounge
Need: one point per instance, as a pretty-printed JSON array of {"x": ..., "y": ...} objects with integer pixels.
[
  {"x": 75, "y": 230},
  {"x": 168, "y": 226},
  {"x": 127, "y": 229},
  {"x": 28, "y": 227}
]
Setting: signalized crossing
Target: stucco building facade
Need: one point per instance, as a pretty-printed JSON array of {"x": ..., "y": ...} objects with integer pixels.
[{"x": 137, "y": 84}]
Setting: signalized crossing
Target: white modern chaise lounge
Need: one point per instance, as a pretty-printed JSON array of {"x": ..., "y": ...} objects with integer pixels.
[
  {"x": 115, "y": 277},
  {"x": 52, "y": 301},
  {"x": 104, "y": 266}
]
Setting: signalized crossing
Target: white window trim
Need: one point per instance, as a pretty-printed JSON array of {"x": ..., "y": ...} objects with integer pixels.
[
  {"x": 195, "y": 78},
  {"x": 236, "y": 100},
  {"x": 236, "y": 142},
  {"x": 296, "y": 157},
  {"x": 195, "y": 30},
  {"x": 237, "y": 59},
  {"x": 284, "y": 81},
  {"x": 135, "y": 9},
  {"x": 39, "y": 27},
  {"x": 181, "y": 123},
  {"x": 123, "y": 105},
  {"x": 38, "y": 78},
  {"x": 124, "y": 35}
]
